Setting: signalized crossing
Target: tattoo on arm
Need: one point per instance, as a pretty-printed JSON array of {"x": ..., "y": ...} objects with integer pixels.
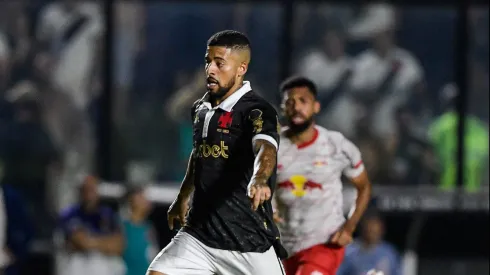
[
  {"x": 187, "y": 186},
  {"x": 265, "y": 161}
]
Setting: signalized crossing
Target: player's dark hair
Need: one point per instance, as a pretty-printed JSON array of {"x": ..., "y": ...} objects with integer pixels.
[
  {"x": 229, "y": 39},
  {"x": 296, "y": 82}
]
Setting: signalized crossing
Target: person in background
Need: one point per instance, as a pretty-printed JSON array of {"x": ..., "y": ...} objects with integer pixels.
[
  {"x": 413, "y": 159},
  {"x": 370, "y": 252},
  {"x": 141, "y": 245},
  {"x": 442, "y": 135},
  {"x": 93, "y": 238},
  {"x": 309, "y": 198},
  {"x": 385, "y": 75},
  {"x": 330, "y": 68}
]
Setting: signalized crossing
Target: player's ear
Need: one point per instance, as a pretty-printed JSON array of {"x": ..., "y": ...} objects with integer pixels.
[
  {"x": 242, "y": 69},
  {"x": 316, "y": 107}
]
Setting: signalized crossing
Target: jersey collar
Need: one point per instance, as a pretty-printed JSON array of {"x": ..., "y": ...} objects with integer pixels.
[{"x": 229, "y": 102}]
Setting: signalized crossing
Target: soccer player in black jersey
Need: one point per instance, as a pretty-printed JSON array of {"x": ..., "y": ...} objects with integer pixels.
[{"x": 224, "y": 200}]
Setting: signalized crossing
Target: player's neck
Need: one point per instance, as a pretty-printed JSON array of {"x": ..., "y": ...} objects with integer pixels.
[
  {"x": 217, "y": 100},
  {"x": 303, "y": 137}
]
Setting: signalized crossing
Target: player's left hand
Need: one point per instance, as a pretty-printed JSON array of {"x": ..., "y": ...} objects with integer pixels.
[
  {"x": 258, "y": 192},
  {"x": 342, "y": 237}
]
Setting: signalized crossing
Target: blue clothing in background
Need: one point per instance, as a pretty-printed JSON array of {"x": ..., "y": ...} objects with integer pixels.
[
  {"x": 139, "y": 250},
  {"x": 101, "y": 222},
  {"x": 359, "y": 260}
]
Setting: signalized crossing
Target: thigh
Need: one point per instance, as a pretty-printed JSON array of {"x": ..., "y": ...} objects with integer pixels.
[
  {"x": 322, "y": 259},
  {"x": 184, "y": 255},
  {"x": 290, "y": 265},
  {"x": 251, "y": 263}
]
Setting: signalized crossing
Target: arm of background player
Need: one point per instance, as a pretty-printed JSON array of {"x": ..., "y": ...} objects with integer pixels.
[
  {"x": 357, "y": 175},
  {"x": 363, "y": 187},
  {"x": 276, "y": 215}
]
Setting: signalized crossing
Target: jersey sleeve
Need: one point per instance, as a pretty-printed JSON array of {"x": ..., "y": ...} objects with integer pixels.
[
  {"x": 355, "y": 165},
  {"x": 263, "y": 122}
]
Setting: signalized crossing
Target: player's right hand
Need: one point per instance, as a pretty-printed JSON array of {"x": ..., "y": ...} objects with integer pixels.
[
  {"x": 177, "y": 211},
  {"x": 258, "y": 192},
  {"x": 341, "y": 238}
]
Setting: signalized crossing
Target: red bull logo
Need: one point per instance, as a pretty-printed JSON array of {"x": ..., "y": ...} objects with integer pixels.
[
  {"x": 319, "y": 163},
  {"x": 299, "y": 185}
]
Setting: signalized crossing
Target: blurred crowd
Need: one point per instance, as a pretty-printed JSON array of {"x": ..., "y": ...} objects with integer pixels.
[
  {"x": 48, "y": 86},
  {"x": 385, "y": 76}
]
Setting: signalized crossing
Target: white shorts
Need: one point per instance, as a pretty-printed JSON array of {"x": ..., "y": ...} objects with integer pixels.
[{"x": 185, "y": 255}]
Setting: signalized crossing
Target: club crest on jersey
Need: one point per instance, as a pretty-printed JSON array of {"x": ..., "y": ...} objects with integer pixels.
[
  {"x": 319, "y": 163},
  {"x": 257, "y": 122},
  {"x": 299, "y": 185},
  {"x": 225, "y": 120}
]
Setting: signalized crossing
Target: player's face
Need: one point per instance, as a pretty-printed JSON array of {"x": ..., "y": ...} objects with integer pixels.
[
  {"x": 299, "y": 107},
  {"x": 223, "y": 68}
]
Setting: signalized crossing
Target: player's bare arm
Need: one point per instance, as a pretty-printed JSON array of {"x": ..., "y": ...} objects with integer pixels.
[
  {"x": 363, "y": 186},
  {"x": 277, "y": 218},
  {"x": 180, "y": 206},
  {"x": 265, "y": 163}
]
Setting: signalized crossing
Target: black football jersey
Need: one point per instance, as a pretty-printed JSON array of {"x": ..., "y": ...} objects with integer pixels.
[{"x": 221, "y": 214}]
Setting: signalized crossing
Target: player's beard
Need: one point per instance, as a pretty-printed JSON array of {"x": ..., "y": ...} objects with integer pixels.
[
  {"x": 222, "y": 90},
  {"x": 300, "y": 128}
]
